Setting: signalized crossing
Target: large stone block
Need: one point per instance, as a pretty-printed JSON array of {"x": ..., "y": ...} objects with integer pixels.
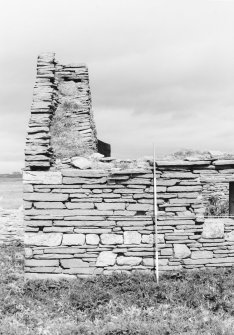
[
  {"x": 28, "y": 253},
  {"x": 111, "y": 239},
  {"x": 42, "y": 239},
  {"x": 84, "y": 174},
  {"x": 204, "y": 254},
  {"x": 42, "y": 177},
  {"x": 106, "y": 258},
  {"x": 27, "y": 188},
  {"x": 224, "y": 162},
  {"x": 213, "y": 228},
  {"x": 132, "y": 237},
  {"x": 73, "y": 263},
  {"x": 179, "y": 175},
  {"x": 152, "y": 262},
  {"x": 81, "y": 163},
  {"x": 44, "y": 214},
  {"x": 80, "y": 205},
  {"x": 41, "y": 262},
  {"x": 110, "y": 206},
  {"x": 230, "y": 236},
  {"x": 92, "y": 239},
  {"x": 45, "y": 197},
  {"x": 139, "y": 207},
  {"x": 184, "y": 189},
  {"x": 166, "y": 182},
  {"x": 73, "y": 239},
  {"x": 52, "y": 204},
  {"x": 77, "y": 180},
  {"x": 122, "y": 260},
  {"x": 181, "y": 251},
  {"x": 149, "y": 238}
]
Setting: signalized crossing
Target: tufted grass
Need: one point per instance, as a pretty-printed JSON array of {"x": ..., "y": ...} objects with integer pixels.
[
  {"x": 65, "y": 138},
  {"x": 196, "y": 302}
]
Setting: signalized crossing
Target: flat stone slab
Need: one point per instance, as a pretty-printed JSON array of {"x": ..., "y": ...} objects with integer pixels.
[
  {"x": 42, "y": 239},
  {"x": 42, "y": 177},
  {"x": 183, "y": 163}
]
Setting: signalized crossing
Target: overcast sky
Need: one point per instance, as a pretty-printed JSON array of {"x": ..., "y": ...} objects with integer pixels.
[{"x": 160, "y": 71}]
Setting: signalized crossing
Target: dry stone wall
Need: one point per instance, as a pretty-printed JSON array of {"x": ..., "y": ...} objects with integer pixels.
[
  {"x": 94, "y": 215},
  {"x": 58, "y": 85},
  {"x": 100, "y": 220}
]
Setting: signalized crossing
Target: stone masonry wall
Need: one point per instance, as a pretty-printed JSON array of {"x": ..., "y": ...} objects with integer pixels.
[
  {"x": 100, "y": 220},
  {"x": 56, "y": 84}
]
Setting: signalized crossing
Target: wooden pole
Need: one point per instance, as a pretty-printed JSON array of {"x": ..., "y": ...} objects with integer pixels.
[{"x": 155, "y": 222}]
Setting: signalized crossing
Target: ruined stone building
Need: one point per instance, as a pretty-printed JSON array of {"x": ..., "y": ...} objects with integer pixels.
[{"x": 87, "y": 213}]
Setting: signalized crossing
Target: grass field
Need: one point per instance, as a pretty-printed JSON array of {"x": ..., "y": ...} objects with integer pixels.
[
  {"x": 11, "y": 192},
  {"x": 183, "y": 303}
]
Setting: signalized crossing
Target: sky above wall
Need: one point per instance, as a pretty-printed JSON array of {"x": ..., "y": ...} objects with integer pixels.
[{"x": 160, "y": 71}]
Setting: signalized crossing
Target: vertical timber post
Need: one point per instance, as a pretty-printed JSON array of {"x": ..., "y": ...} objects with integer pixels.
[{"x": 155, "y": 222}]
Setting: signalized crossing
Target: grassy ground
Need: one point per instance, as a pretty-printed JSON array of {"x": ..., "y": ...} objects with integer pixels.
[
  {"x": 183, "y": 303},
  {"x": 65, "y": 138}
]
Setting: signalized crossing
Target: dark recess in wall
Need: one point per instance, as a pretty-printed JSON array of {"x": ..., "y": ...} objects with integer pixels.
[{"x": 104, "y": 148}]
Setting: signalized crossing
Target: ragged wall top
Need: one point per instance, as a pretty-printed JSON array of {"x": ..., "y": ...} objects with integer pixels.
[{"x": 61, "y": 121}]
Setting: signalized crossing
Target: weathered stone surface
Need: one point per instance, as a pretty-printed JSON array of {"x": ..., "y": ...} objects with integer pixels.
[
  {"x": 202, "y": 254},
  {"x": 181, "y": 251},
  {"x": 45, "y": 205},
  {"x": 180, "y": 163},
  {"x": 184, "y": 188},
  {"x": 81, "y": 163},
  {"x": 41, "y": 239},
  {"x": 229, "y": 236},
  {"x": 122, "y": 260},
  {"x": 111, "y": 239},
  {"x": 44, "y": 214},
  {"x": 28, "y": 253},
  {"x": 213, "y": 228},
  {"x": 42, "y": 177},
  {"x": 167, "y": 182},
  {"x": 64, "y": 250},
  {"x": 179, "y": 175},
  {"x": 73, "y": 263},
  {"x": 149, "y": 238},
  {"x": 139, "y": 207},
  {"x": 84, "y": 174},
  {"x": 27, "y": 188},
  {"x": 80, "y": 205},
  {"x": 166, "y": 252},
  {"x": 58, "y": 229},
  {"x": 224, "y": 162},
  {"x": 73, "y": 239},
  {"x": 110, "y": 206},
  {"x": 92, "y": 239},
  {"x": 41, "y": 262},
  {"x": 106, "y": 258},
  {"x": 132, "y": 237},
  {"x": 151, "y": 262},
  {"x": 81, "y": 181},
  {"x": 39, "y": 223},
  {"x": 45, "y": 197}
]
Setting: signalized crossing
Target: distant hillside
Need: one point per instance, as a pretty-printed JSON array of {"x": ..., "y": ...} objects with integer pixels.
[{"x": 11, "y": 175}]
